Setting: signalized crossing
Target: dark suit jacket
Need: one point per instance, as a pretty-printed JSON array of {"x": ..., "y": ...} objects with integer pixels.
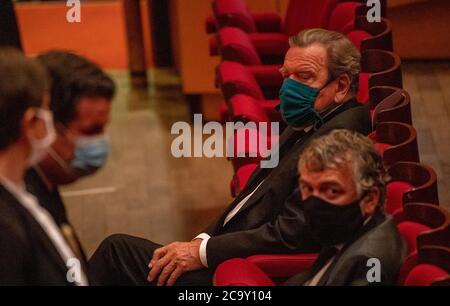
[
  {"x": 379, "y": 239},
  {"x": 27, "y": 256},
  {"x": 271, "y": 221},
  {"x": 51, "y": 200}
]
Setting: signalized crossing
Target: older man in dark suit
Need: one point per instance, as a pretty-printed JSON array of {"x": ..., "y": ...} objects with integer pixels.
[
  {"x": 342, "y": 191},
  {"x": 321, "y": 72}
]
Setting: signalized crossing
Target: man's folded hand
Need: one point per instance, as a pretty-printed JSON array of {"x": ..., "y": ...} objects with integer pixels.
[{"x": 171, "y": 261}]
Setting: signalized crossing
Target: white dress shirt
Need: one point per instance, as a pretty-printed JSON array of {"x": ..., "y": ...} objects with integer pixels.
[
  {"x": 205, "y": 237},
  {"x": 46, "y": 221}
]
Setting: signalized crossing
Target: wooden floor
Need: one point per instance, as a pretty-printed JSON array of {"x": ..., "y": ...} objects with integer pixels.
[{"x": 146, "y": 192}]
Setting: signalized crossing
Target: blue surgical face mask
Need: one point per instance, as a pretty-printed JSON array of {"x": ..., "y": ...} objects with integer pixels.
[
  {"x": 91, "y": 153},
  {"x": 297, "y": 103}
]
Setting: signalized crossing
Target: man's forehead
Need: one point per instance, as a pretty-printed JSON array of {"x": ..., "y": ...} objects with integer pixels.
[
  {"x": 340, "y": 174},
  {"x": 312, "y": 57}
]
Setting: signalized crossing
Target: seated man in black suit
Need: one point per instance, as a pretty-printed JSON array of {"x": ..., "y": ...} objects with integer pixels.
[
  {"x": 80, "y": 98},
  {"x": 321, "y": 70},
  {"x": 33, "y": 250},
  {"x": 342, "y": 186}
]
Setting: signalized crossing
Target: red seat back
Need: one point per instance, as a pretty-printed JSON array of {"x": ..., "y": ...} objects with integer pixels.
[
  {"x": 396, "y": 142},
  {"x": 357, "y": 37},
  {"x": 378, "y": 68},
  {"x": 306, "y": 14},
  {"x": 342, "y": 18},
  {"x": 394, "y": 196},
  {"x": 234, "y": 78},
  {"x": 235, "y": 45},
  {"x": 242, "y": 17},
  {"x": 421, "y": 177}
]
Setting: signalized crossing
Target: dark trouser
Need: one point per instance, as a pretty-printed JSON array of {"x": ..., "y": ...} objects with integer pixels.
[{"x": 122, "y": 260}]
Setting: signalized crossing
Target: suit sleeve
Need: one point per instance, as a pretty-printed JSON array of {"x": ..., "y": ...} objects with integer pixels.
[
  {"x": 285, "y": 234},
  {"x": 13, "y": 252},
  {"x": 358, "y": 272}
]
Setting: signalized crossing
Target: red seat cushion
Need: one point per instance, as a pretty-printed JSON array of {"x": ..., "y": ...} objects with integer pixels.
[
  {"x": 394, "y": 196},
  {"x": 424, "y": 275},
  {"x": 240, "y": 272},
  {"x": 410, "y": 231},
  {"x": 357, "y": 37},
  {"x": 307, "y": 14},
  {"x": 363, "y": 92}
]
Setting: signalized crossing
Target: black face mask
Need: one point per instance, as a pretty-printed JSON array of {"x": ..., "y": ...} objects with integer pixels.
[{"x": 332, "y": 224}]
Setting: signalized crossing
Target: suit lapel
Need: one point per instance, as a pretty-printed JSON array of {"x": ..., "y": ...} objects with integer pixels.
[{"x": 35, "y": 232}]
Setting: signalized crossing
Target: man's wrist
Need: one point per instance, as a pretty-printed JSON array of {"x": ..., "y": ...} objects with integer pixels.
[{"x": 202, "y": 249}]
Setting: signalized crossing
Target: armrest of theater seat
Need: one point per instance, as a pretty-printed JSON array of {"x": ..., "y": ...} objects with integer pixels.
[
  {"x": 267, "y": 75},
  {"x": 283, "y": 266},
  {"x": 240, "y": 272},
  {"x": 267, "y": 22}
]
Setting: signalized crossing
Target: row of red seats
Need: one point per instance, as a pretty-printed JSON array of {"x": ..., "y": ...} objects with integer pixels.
[{"x": 252, "y": 47}]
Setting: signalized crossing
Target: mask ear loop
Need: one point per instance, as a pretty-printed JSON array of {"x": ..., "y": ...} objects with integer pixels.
[{"x": 318, "y": 119}]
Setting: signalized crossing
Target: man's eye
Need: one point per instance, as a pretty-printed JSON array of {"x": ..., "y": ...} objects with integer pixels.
[
  {"x": 303, "y": 77},
  {"x": 307, "y": 189},
  {"x": 334, "y": 192}
]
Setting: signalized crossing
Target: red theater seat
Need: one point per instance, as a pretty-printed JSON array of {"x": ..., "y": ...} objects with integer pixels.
[
  {"x": 411, "y": 183},
  {"x": 301, "y": 14},
  {"x": 410, "y": 231},
  {"x": 250, "y": 146},
  {"x": 396, "y": 142},
  {"x": 421, "y": 224},
  {"x": 379, "y": 68},
  {"x": 380, "y": 34},
  {"x": 394, "y": 197},
  {"x": 433, "y": 267},
  {"x": 343, "y": 17},
  {"x": 245, "y": 98}
]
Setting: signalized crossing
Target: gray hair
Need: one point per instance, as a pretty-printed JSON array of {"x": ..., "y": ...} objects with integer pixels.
[
  {"x": 341, "y": 148},
  {"x": 343, "y": 56}
]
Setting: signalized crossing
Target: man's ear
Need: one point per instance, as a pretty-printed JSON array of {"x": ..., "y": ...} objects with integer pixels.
[
  {"x": 343, "y": 87},
  {"x": 370, "y": 201},
  {"x": 28, "y": 123}
]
